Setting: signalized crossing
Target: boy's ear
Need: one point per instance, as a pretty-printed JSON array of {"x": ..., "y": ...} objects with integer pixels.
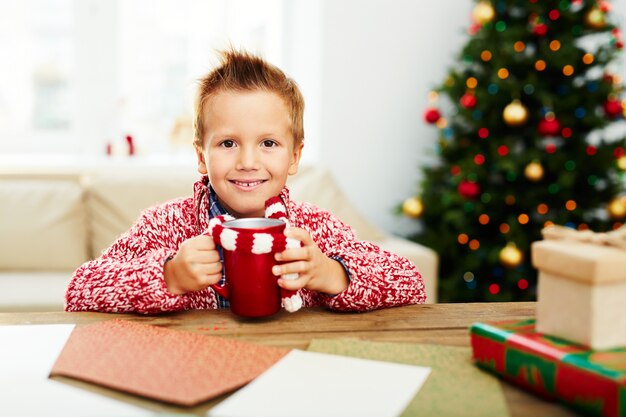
[
  {"x": 202, "y": 167},
  {"x": 295, "y": 161}
]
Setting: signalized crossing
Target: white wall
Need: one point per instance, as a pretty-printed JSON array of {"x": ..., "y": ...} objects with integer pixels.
[
  {"x": 365, "y": 81},
  {"x": 365, "y": 68}
]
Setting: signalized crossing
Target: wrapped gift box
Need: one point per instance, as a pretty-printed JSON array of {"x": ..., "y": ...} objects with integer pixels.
[
  {"x": 582, "y": 292},
  {"x": 593, "y": 382}
]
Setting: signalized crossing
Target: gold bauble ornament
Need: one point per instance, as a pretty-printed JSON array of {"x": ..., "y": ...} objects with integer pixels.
[
  {"x": 534, "y": 171},
  {"x": 515, "y": 114},
  {"x": 595, "y": 18},
  {"x": 483, "y": 13},
  {"x": 510, "y": 256},
  {"x": 617, "y": 208},
  {"x": 621, "y": 163},
  {"x": 413, "y": 207}
]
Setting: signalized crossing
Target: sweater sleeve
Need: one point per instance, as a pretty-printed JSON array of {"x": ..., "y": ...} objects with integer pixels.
[
  {"x": 128, "y": 276},
  {"x": 378, "y": 278}
]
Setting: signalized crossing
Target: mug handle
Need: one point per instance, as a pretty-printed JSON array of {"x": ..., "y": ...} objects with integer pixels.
[{"x": 220, "y": 289}]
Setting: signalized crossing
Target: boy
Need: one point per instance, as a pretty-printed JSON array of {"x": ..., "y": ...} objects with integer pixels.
[{"x": 248, "y": 139}]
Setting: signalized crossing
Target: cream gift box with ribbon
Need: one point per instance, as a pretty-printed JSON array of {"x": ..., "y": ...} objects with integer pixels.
[{"x": 582, "y": 286}]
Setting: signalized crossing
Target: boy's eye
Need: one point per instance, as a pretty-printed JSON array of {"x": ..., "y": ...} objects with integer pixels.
[
  {"x": 268, "y": 143},
  {"x": 227, "y": 143}
]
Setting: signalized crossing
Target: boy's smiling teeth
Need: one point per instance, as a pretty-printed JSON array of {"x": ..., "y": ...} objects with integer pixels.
[{"x": 247, "y": 183}]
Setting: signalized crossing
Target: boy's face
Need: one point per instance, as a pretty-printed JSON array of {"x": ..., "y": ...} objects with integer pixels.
[{"x": 248, "y": 150}]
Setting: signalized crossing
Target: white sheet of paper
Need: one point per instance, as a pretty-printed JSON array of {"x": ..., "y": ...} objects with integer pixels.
[
  {"x": 27, "y": 354},
  {"x": 317, "y": 384}
]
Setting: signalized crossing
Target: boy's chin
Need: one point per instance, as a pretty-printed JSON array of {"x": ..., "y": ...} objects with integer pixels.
[{"x": 246, "y": 213}]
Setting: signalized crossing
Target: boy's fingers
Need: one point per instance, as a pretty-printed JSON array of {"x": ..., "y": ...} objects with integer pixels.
[
  {"x": 299, "y": 234},
  {"x": 204, "y": 242},
  {"x": 203, "y": 257},
  {"x": 210, "y": 257},
  {"x": 294, "y": 284},
  {"x": 208, "y": 269},
  {"x": 290, "y": 268},
  {"x": 294, "y": 254},
  {"x": 211, "y": 279}
]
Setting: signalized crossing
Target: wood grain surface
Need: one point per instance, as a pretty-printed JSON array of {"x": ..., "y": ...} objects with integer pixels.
[{"x": 446, "y": 324}]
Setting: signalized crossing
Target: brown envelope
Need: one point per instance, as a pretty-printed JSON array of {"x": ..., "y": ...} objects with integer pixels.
[{"x": 173, "y": 366}]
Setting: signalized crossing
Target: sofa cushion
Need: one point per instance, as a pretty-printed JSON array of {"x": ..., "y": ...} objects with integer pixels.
[
  {"x": 42, "y": 223},
  {"x": 33, "y": 290},
  {"x": 114, "y": 202},
  {"x": 317, "y": 186}
]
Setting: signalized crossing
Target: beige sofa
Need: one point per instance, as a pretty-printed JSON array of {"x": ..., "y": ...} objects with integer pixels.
[{"x": 51, "y": 221}]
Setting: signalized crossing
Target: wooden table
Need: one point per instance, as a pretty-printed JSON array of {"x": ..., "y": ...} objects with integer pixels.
[{"x": 445, "y": 324}]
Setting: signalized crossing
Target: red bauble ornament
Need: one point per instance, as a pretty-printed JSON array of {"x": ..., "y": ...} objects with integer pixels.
[
  {"x": 605, "y": 6},
  {"x": 540, "y": 29},
  {"x": 431, "y": 115},
  {"x": 549, "y": 127},
  {"x": 612, "y": 107},
  {"x": 468, "y": 189},
  {"x": 468, "y": 100},
  {"x": 619, "y": 44},
  {"x": 473, "y": 29}
]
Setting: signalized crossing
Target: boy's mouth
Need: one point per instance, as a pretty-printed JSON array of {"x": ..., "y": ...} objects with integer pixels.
[{"x": 247, "y": 184}]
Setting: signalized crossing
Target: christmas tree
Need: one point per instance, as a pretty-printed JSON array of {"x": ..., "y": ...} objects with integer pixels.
[{"x": 523, "y": 143}]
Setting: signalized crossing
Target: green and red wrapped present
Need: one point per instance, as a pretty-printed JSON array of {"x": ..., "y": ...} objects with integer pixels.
[{"x": 591, "y": 381}]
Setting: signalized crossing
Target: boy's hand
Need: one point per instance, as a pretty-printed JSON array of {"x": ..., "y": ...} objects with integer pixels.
[
  {"x": 196, "y": 266},
  {"x": 316, "y": 271}
]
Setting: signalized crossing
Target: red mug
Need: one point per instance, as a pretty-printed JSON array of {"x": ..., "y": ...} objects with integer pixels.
[{"x": 251, "y": 287}]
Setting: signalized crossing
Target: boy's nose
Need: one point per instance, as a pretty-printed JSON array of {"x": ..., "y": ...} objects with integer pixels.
[{"x": 247, "y": 159}]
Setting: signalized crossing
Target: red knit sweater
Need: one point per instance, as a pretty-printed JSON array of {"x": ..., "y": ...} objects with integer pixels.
[{"x": 128, "y": 276}]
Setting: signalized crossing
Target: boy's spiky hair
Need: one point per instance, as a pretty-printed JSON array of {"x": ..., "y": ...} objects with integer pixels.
[{"x": 243, "y": 71}]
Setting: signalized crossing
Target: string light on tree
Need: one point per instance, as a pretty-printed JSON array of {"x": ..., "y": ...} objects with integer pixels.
[
  {"x": 554, "y": 14},
  {"x": 540, "y": 29},
  {"x": 588, "y": 58},
  {"x": 515, "y": 114},
  {"x": 474, "y": 28},
  {"x": 621, "y": 162},
  {"x": 617, "y": 37},
  {"x": 413, "y": 207},
  {"x": 534, "y": 171},
  {"x": 468, "y": 100},
  {"x": 605, "y": 6},
  {"x": 442, "y": 123},
  {"x": 537, "y": 25},
  {"x": 511, "y": 256}
]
